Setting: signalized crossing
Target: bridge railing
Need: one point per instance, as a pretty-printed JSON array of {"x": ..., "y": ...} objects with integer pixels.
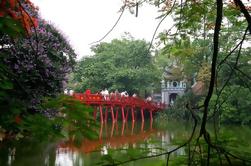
[{"x": 118, "y": 100}]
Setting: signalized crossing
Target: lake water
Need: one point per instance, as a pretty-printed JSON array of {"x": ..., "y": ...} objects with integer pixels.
[{"x": 115, "y": 143}]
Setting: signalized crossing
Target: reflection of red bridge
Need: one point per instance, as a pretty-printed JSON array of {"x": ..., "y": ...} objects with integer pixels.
[
  {"x": 116, "y": 103},
  {"x": 109, "y": 139}
]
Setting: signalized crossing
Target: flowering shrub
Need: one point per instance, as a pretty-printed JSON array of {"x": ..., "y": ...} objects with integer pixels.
[{"x": 40, "y": 62}]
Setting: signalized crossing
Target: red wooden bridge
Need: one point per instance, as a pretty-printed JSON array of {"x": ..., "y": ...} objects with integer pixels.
[{"x": 115, "y": 104}]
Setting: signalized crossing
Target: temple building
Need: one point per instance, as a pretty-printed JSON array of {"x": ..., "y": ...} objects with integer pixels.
[{"x": 172, "y": 85}]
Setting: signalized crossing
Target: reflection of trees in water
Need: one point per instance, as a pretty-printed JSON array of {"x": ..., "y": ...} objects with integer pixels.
[{"x": 122, "y": 137}]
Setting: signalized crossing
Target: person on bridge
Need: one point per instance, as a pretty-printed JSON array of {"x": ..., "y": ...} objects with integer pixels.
[
  {"x": 124, "y": 94},
  {"x": 105, "y": 93},
  {"x": 71, "y": 92},
  {"x": 66, "y": 91},
  {"x": 149, "y": 98},
  {"x": 134, "y": 95},
  {"x": 112, "y": 95},
  {"x": 88, "y": 92},
  {"x": 117, "y": 94}
]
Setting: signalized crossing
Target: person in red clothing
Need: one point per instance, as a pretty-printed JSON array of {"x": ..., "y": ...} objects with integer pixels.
[{"x": 88, "y": 92}]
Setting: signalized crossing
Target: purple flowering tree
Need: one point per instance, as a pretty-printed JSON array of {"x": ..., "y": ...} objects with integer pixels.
[
  {"x": 39, "y": 63},
  {"x": 34, "y": 63}
]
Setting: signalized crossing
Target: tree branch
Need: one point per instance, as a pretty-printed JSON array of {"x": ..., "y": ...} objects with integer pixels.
[
  {"x": 156, "y": 29},
  {"x": 213, "y": 66},
  {"x": 243, "y": 9},
  {"x": 122, "y": 12}
]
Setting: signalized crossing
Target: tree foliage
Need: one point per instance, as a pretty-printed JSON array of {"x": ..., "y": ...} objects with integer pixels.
[
  {"x": 40, "y": 67},
  {"x": 120, "y": 65}
]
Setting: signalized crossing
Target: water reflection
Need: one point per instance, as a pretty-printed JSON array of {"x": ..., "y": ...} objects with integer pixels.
[
  {"x": 66, "y": 157},
  {"x": 11, "y": 155},
  {"x": 114, "y": 136},
  {"x": 119, "y": 138}
]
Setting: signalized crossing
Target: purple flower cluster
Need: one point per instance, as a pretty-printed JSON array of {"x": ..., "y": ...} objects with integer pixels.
[{"x": 41, "y": 62}]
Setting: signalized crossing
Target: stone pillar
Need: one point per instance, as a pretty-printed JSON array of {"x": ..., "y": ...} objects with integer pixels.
[
  {"x": 166, "y": 98},
  {"x": 162, "y": 96},
  {"x": 163, "y": 85},
  {"x": 181, "y": 84}
]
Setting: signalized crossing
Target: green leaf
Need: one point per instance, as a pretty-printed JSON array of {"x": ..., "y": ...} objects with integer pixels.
[
  {"x": 6, "y": 85},
  {"x": 11, "y": 27}
]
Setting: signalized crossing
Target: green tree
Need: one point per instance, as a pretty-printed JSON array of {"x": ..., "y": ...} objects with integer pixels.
[{"x": 124, "y": 64}]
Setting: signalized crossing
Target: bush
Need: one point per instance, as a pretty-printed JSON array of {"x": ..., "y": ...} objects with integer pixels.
[{"x": 178, "y": 110}]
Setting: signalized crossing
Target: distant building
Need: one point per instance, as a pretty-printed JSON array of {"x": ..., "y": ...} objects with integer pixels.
[{"x": 172, "y": 85}]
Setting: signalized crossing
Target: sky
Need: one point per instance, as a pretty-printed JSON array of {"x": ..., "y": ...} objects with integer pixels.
[{"x": 87, "y": 21}]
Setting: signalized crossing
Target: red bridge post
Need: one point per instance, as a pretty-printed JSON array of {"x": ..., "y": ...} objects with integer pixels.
[
  {"x": 132, "y": 111},
  {"x": 112, "y": 112},
  {"x": 127, "y": 111},
  {"x": 142, "y": 126},
  {"x": 106, "y": 113},
  {"x": 151, "y": 114},
  {"x": 142, "y": 114},
  {"x": 117, "y": 112},
  {"x": 123, "y": 113},
  {"x": 101, "y": 114}
]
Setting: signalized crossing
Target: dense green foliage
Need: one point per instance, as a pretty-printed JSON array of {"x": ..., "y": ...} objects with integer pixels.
[
  {"x": 120, "y": 65},
  {"x": 63, "y": 115}
]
